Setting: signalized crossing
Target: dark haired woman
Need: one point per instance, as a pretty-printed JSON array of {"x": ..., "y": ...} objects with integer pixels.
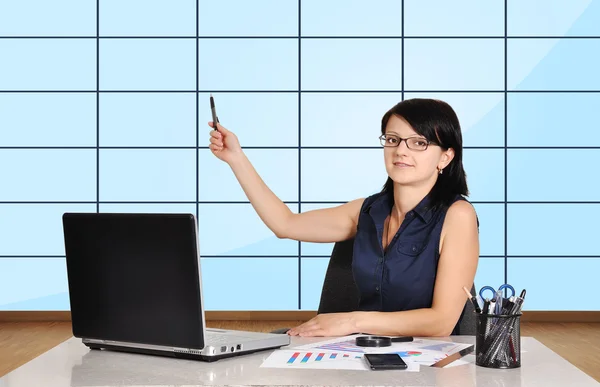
[{"x": 416, "y": 243}]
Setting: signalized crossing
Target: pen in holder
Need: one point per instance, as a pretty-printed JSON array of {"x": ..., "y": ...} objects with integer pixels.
[{"x": 498, "y": 340}]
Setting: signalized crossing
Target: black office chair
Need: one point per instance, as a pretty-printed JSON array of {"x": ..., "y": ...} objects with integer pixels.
[{"x": 340, "y": 294}]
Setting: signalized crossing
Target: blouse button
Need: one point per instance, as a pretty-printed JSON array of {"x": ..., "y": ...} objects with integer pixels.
[
  {"x": 414, "y": 248},
  {"x": 377, "y": 288}
]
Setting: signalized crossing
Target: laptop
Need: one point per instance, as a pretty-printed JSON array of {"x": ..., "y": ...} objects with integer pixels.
[{"x": 135, "y": 285}]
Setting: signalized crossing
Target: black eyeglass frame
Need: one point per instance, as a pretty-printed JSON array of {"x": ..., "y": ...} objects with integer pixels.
[{"x": 382, "y": 140}]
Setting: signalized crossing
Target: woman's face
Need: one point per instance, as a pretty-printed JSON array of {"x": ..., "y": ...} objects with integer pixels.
[{"x": 412, "y": 166}]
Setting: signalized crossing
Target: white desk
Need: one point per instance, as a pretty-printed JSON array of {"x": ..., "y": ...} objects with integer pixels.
[{"x": 73, "y": 364}]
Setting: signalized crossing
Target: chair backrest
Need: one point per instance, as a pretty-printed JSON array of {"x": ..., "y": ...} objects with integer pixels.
[{"x": 340, "y": 294}]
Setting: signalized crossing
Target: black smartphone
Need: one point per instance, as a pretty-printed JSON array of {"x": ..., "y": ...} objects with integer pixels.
[{"x": 385, "y": 361}]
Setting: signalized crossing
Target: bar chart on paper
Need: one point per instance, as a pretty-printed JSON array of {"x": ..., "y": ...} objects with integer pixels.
[
  {"x": 419, "y": 351},
  {"x": 315, "y": 360},
  {"x": 305, "y": 357}
]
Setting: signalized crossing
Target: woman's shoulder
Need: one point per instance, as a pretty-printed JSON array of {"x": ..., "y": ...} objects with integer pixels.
[
  {"x": 462, "y": 211},
  {"x": 461, "y": 207}
]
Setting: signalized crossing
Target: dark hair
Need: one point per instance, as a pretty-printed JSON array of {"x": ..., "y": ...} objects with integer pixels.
[{"x": 437, "y": 122}]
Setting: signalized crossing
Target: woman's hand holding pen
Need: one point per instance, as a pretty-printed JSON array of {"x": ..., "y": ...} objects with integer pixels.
[{"x": 224, "y": 144}]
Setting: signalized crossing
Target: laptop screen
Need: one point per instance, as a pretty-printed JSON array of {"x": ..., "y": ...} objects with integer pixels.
[{"x": 134, "y": 278}]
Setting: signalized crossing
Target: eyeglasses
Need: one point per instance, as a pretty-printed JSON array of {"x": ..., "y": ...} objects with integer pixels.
[{"x": 414, "y": 143}]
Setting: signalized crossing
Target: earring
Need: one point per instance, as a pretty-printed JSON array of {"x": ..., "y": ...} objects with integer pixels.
[{"x": 441, "y": 170}]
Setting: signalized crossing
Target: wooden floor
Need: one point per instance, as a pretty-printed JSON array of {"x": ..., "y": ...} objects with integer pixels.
[{"x": 578, "y": 343}]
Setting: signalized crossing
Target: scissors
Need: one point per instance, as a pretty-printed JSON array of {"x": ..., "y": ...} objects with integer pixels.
[{"x": 502, "y": 287}]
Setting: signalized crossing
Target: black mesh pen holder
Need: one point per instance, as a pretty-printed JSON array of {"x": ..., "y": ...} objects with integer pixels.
[{"x": 498, "y": 341}]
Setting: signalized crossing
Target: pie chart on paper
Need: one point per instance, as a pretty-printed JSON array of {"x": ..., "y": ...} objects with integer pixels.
[{"x": 408, "y": 353}]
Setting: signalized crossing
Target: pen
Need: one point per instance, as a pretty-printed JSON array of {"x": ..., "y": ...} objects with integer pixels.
[
  {"x": 516, "y": 308},
  {"x": 492, "y": 306},
  {"x": 480, "y": 301},
  {"x": 214, "y": 112},
  {"x": 486, "y": 306},
  {"x": 499, "y": 303},
  {"x": 507, "y": 307},
  {"x": 473, "y": 300},
  {"x": 512, "y": 348}
]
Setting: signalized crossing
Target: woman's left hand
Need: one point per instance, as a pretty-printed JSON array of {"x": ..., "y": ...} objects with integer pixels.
[{"x": 327, "y": 324}]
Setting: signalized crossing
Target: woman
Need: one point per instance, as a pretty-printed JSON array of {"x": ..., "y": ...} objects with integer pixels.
[{"x": 416, "y": 242}]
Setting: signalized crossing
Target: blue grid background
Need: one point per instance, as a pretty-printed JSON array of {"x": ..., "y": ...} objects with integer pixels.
[{"x": 104, "y": 105}]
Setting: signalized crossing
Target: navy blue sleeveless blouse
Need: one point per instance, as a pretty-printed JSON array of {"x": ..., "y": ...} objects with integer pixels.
[{"x": 402, "y": 277}]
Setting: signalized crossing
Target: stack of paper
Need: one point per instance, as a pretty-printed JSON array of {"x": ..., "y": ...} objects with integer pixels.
[{"x": 342, "y": 353}]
